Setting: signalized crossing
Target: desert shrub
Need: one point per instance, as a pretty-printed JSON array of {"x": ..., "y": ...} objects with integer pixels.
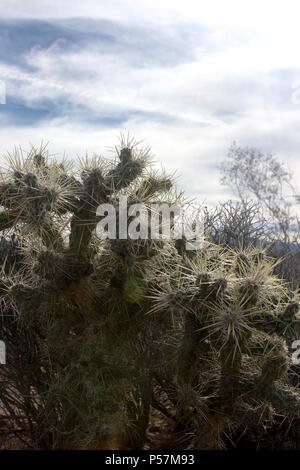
[
  {"x": 236, "y": 224},
  {"x": 253, "y": 174}
]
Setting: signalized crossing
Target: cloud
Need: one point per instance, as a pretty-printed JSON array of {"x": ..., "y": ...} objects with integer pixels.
[
  {"x": 97, "y": 76},
  {"x": 190, "y": 81},
  {"x": 143, "y": 46}
]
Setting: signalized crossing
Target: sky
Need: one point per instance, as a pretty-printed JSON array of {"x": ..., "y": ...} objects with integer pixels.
[{"x": 187, "y": 77}]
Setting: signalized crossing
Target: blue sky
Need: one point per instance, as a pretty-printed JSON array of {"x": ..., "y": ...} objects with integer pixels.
[{"x": 188, "y": 77}]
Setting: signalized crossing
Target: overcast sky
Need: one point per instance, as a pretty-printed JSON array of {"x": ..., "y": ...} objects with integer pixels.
[{"x": 189, "y": 77}]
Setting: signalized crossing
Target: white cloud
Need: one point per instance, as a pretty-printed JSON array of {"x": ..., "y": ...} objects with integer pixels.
[{"x": 227, "y": 91}]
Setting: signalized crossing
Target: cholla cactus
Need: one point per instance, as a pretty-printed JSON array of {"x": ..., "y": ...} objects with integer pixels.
[
  {"x": 94, "y": 328},
  {"x": 239, "y": 324},
  {"x": 78, "y": 343}
]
